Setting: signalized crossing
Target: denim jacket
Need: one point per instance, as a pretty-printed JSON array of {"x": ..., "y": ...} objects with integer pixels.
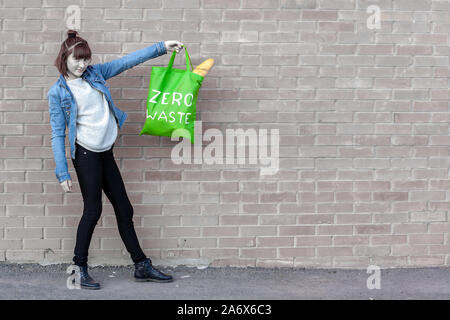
[{"x": 63, "y": 107}]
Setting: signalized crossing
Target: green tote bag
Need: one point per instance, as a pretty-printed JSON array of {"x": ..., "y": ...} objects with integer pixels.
[{"x": 171, "y": 102}]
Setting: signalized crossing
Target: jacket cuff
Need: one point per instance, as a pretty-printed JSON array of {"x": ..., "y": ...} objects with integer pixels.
[
  {"x": 161, "y": 48},
  {"x": 63, "y": 177}
]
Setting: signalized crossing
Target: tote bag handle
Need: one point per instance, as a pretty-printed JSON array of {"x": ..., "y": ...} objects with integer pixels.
[{"x": 188, "y": 60}]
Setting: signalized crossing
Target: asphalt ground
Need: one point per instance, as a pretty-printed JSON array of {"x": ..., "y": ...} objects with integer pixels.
[{"x": 38, "y": 282}]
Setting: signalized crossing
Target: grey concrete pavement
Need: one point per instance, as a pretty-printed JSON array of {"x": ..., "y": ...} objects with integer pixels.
[{"x": 34, "y": 281}]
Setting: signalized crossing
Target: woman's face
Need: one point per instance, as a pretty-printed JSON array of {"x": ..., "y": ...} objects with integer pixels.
[{"x": 76, "y": 67}]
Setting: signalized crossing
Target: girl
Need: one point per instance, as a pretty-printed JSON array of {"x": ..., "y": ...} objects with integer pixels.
[{"x": 81, "y": 101}]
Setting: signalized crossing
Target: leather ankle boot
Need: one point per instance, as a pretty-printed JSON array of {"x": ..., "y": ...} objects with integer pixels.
[
  {"x": 144, "y": 271},
  {"x": 86, "y": 281}
]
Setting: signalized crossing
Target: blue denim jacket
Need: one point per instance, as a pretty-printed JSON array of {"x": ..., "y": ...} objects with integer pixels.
[{"x": 63, "y": 107}]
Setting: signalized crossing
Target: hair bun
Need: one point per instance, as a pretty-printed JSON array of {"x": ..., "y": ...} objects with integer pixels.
[{"x": 72, "y": 34}]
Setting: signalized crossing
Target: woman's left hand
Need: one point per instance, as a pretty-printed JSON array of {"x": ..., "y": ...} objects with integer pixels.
[{"x": 173, "y": 45}]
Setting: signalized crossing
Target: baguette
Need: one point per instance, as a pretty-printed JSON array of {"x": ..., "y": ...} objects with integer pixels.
[{"x": 204, "y": 67}]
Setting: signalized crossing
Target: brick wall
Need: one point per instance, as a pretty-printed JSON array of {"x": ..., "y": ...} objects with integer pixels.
[{"x": 362, "y": 114}]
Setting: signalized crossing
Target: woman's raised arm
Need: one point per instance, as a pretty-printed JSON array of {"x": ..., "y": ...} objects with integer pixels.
[{"x": 117, "y": 66}]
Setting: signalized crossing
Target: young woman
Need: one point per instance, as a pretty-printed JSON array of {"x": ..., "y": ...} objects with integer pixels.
[{"x": 81, "y": 101}]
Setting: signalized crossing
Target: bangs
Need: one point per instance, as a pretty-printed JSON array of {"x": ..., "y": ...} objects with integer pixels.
[{"x": 82, "y": 51}]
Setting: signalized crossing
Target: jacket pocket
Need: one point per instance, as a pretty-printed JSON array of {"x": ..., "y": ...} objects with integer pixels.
[{"x": 100, "y": 80}]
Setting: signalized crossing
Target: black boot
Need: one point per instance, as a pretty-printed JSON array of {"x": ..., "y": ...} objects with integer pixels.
[
  {"x": 86, "y": 281},
  {"x": 144, "y": 271}
]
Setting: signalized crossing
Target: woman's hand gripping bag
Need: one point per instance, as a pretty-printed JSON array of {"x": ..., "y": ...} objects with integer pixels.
[{"x": 171, "y": 103}]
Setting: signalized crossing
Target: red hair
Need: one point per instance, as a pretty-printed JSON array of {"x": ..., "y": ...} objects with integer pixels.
[{"x": 75, "y": 44}]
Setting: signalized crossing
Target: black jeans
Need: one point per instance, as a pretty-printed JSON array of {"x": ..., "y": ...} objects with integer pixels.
[{"x": 97, "y": 171}]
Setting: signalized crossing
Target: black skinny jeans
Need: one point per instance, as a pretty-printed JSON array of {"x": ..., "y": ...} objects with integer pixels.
[{"x": 97, "y": 171}]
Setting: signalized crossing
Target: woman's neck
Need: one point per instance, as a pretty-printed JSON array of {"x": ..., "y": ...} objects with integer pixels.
[{"x": 71, "y": 76}]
